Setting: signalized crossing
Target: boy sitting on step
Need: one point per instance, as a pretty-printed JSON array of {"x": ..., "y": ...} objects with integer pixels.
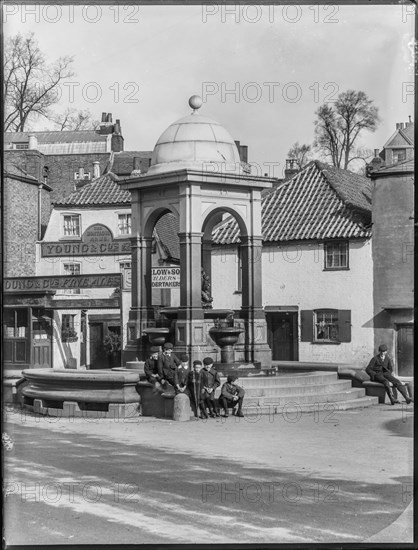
[{"x": 232, "y": 396}]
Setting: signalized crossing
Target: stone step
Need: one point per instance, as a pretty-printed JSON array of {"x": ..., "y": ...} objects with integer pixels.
[
  {"x": 299, "y": 399},
  {"x": 339, "y": 385},
  {"x": 292, "y": 411},
  {"x": 287, "y": 380}
]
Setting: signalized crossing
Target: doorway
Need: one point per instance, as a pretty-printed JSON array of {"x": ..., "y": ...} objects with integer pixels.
[
  {"x": 405, "y": 350},
  {"x": 99, "y": 327},
  {"x": 282, "y": 330}
]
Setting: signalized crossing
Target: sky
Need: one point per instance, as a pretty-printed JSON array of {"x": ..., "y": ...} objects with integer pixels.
[{"x": 262, "y": 71}]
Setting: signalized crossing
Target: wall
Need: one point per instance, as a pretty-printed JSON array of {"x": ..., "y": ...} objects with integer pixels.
[
  {"x": 393, "y": 255},
  {"x": 20, "y": 218},
  {"x": 62, "y": 168},
  {"x": 293, "y": 275}
]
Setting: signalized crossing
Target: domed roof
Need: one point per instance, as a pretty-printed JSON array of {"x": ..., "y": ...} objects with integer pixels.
[{"x": 195, "y": 142}]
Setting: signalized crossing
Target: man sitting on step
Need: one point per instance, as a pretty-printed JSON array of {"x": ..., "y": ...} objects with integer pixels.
[
  {"x": 232, "y": 395},
  {"x": 380, "y": 370}
]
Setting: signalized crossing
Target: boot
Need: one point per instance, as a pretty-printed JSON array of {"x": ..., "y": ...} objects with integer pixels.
[
  {"x": 404, "y": 392},
  {"x": 392, "y": 400}
]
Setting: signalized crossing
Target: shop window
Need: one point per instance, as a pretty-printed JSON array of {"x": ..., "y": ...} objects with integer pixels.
[
  {"x": 71, "y": 225},
  {"x": 15, "y": 323},
  {"x": 326, "y": 326},
  {"x": 336, "y": 255},
  {"x": 124, "y": 223}
]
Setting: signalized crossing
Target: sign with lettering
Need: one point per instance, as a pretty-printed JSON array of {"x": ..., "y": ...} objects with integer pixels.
[
  {"x": 97, "y": 240},
  {"x": 165, "y": 277},
  {"x": 24, "y": 284}
]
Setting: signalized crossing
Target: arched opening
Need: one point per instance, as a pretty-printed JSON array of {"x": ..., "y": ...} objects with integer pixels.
[
  {"x": 222, "y": 258},
  {"x": 162, "y": 227}
]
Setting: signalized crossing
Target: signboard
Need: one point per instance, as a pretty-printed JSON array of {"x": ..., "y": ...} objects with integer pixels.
[
  {"x": 165, "y": 277},
  {"x": 97, "y": 240},
  {"x": 24, "y": 284}
]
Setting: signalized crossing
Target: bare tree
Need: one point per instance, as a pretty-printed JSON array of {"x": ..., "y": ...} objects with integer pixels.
[
  {"x": 71, "y": 119},
  {"x": 338, "y": 127},
  {"x": 300, "y": 153},
  {"x": 31, "y": 86}
]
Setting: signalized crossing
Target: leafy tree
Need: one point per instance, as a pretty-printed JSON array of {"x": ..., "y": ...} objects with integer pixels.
[
  {"x": 31, "y": 85},
  {"x": 338, "y": 127},
  {"x": 300, "y": 153}
]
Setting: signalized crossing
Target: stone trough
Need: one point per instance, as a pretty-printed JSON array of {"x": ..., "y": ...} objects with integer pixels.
[{"x": 67, "y": 393}]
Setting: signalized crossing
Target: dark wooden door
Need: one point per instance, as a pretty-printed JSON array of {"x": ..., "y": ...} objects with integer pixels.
[
  {"x": 41, "y": 339},
  {"x": 98, "y": 358},
  {"x": 283, "y": 335},
  {"x": 405, "y": 350}
]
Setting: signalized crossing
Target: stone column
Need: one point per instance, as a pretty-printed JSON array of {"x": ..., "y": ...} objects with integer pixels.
[
  {"x": 256, "y": 347},
  {"x": 141, "y": 314},
  {"x": 190, "y": 320}
]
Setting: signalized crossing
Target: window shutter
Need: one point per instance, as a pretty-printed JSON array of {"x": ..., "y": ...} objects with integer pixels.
[
  {"x": 344, "y": 325},
  {"x": 306, "y": 325}
]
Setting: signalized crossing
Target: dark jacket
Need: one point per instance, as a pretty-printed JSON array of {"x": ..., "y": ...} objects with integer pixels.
[
  {"x": 167, "y": 366},
  {"x": 181, "y": 376},
  {"x": 150, "y": 367},
  {"x": 229, "y": 391},
  {"x": 377, "y": 366},
  {"x": 210, "y": 379}
]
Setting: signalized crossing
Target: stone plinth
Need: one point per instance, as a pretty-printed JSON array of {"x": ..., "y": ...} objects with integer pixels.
[{"x": 181, "y": 408}]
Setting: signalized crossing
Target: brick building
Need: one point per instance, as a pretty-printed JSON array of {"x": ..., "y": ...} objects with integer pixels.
[{"x": 392, "y": 176}]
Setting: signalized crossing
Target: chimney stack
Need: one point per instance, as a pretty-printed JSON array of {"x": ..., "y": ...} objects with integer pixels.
[
  {"x": 96, "y": 169},
  {"x": 376, "y": 153},
  {"x": 291, "y": 169},
  {"x": 103, "y": 117}
]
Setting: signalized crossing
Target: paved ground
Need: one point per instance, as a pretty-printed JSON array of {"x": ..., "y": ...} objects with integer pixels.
[{"x": 334, "y": 477}]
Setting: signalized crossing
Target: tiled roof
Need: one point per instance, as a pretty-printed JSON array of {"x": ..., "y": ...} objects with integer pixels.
[
  {"x": 167, "y": 229},
  {"x": 67, "y": 136},
  {"x": 102, "y": 191},
  {"x": 404, "y": 166},
  {"x": 319, "y": 202}
]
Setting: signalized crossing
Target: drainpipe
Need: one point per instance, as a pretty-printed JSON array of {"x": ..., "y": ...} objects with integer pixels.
[{"x": 40, "y": 187}]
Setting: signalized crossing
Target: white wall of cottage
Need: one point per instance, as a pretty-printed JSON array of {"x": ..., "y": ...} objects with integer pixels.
[{"x": 294, "y": 275}]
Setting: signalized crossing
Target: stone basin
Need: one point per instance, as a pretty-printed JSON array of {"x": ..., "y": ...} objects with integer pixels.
[
  {"x": 226, "y": 338},
  {"x": 157, "y": 335},
  {"x": 97, "y": 386}
]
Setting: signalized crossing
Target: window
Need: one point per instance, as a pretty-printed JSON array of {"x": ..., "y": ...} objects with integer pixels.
[
  {"x": 15, "y": 323},
  {"x": 124, "y": 224},
  {"x": 399, "y": 155},
  {"x": 68, "y": 331},
  {"x": 71, "y": 269},
  {"x": 21, "y": 145},
  {"x": 325, "y": 326},
  {"x": 336, "y": 255},
  {"x": 81, "y": 175},
  {"x": 72, "y": 225}
]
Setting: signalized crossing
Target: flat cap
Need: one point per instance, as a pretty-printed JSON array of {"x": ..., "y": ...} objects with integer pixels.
[
  {"x": 207, "y": 361},
  {"x": 168, "y": 345}
]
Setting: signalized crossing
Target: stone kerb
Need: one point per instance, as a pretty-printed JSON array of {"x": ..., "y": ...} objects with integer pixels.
[{"x": 62, "y": 392}]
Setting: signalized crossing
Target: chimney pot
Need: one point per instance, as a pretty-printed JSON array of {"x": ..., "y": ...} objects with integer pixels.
[
  {"x": 109, "y": 117},
  {"x": 376, "y": 152},
  {"x": 33, "y": 142},
  {"x": 137, "y": 166},
  {"x": 96, "y": 169},
  {"x": 103, "y": 117},
  {"x": 409, "y": 116}
]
